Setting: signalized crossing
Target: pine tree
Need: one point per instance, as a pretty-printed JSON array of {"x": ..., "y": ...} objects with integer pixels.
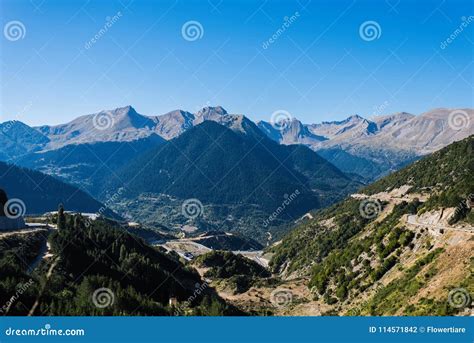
[
  {"x": 61, "y": 218},
  {"x": 77, "y": 222},
  {"x": 123, "y": 252},
  {"x": 70, "y": 221}
]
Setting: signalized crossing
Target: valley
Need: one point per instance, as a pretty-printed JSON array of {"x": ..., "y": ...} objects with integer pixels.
[{"x": 155, "y": 208}]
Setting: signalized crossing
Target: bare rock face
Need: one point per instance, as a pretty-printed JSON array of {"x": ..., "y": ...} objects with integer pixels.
[
  {"x": 380, "y": 144},
  {"x": 369, "y": 147},
  {"x": 120, "y": 124},
  {"x": 422, "y": 134},
  {"x": 125, "y": 124}
]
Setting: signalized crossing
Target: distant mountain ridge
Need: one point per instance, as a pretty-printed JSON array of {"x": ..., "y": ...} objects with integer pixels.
[
  {"x": 386, "y": 142},
  {"x": 369, "y": 147},
  {"x": 126, "y": 124}
]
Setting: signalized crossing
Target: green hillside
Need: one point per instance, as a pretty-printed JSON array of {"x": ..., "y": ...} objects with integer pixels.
[
  {"x": 42, "y": 193},
  {"x": 447, "y": 174},
  {"x": 236, "y": 271},
  {"x": 239, "y": 178},
  {"x": 88, "y": 166},
  {"x": 347, "y": 257},
  {"x": 140, "y": 279}
]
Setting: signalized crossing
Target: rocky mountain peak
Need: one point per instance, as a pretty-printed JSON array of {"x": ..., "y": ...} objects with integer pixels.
[{"x": 210, "y": 111}]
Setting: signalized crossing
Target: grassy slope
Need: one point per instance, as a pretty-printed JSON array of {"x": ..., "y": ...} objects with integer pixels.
[{"x": 345, "y": 255}]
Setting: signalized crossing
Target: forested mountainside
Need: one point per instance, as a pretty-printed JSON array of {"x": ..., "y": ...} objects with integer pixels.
[
  {"x": 42, "y": 193},
  {"x": 447, "y": 175},
  {"x": 237, "y": 180},
  {"x": 96, "y": 268},
  {"x": 90, "y": 165},
  {"x": 399, "y": 247}
]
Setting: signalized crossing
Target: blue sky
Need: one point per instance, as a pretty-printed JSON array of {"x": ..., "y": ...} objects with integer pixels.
[{"x": 318, "y": 68}]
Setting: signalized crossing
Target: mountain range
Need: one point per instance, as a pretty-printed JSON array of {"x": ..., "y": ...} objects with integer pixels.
[
  {"x": 368, "y": 147},
  {"x": 240, "y": 171},
  {"x": 377, "y": 146},
  {"x": 399, "y": 246}
]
